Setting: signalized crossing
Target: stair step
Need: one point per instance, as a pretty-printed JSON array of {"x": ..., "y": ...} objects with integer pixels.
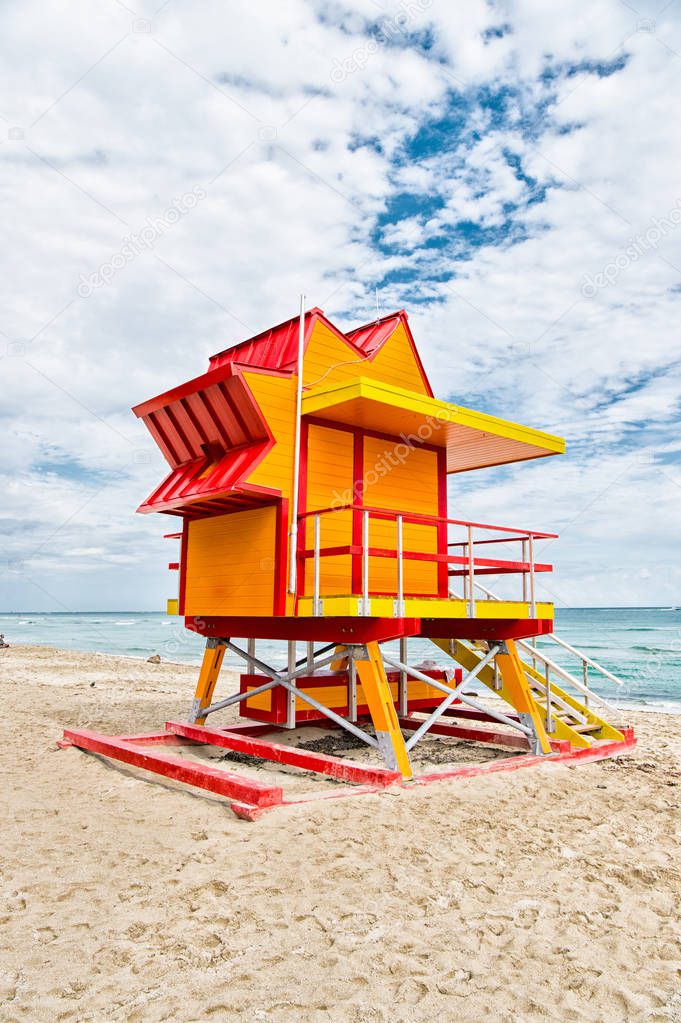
[
  {"x": 576, "y": 726},
  {"x": 559, "y": 708},
  {"x": 568, "y": 720}
]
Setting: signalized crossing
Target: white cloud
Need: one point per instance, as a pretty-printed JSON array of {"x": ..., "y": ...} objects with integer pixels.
[{"x": 297, "y": 165}]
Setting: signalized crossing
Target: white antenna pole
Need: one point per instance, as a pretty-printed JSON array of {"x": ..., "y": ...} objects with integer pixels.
[
  {"x": 377, "y": 312},
  {"x": 293, "y": 534}
]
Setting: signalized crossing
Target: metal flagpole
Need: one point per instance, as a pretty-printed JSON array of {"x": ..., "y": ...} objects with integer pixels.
[{"x": 293, "y": 534}]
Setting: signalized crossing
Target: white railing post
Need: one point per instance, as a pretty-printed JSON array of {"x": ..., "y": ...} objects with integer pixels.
[
  {"x": 583, "y": 657},
  {"x": 315, "y": 587},
  {"x": 533, "y": 602},
  {"x": 352, "y": 685},
  {"x": 290, "y": 694},
  {"x": 549, "y": 716},
  {"x": 524, "y": 557},
  {"x": 471, "y": 575},
  {"x": 365, "y": 562},
  {"x": 293, "y": 535},
  {"x": 562, "y": 673},
  {"x": 402, "y": 692},
  {"x": 530, "y": 647},
  {"x": 400, "y": 568}
]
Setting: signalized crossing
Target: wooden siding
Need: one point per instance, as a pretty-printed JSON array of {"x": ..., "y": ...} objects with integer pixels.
[
  {"x": 329, "y": 482},
  {"x": 230, "y": 564},
  {"x": 401, "y": 479},
  {"x": 336, "y": 697},
  {"x": 276, "y": 397},
  {"x": 329, "y": 361}
]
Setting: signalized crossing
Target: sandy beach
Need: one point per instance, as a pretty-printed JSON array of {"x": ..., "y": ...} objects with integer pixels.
[{"x": 547, "y": 894}]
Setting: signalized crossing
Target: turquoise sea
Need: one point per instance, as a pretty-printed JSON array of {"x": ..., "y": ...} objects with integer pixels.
[{"x": 642, "y": 646}]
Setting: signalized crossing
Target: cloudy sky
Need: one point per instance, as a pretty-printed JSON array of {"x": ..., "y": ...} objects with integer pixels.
[{"x": 174, "y": 174}]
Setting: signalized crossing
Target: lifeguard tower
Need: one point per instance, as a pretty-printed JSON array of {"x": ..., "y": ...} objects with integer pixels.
[{"x": 308, "y": 474}]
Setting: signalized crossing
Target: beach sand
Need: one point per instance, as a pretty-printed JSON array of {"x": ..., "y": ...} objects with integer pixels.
[{"x": 547, "y": 894}]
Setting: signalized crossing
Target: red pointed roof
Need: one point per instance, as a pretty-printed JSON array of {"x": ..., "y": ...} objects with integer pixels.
[
  {"x": 370, "y": 337},
  {"x": 277, "y": 348}
]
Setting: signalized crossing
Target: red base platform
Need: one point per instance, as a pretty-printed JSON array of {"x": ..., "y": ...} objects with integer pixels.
[{"x": 250, "y": 798}]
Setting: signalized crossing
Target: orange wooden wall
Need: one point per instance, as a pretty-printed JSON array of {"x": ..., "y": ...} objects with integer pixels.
[
  {"x": 405, "y": 480},
  {"x": 336, "y": 697},
  {"x": 396, "y": 478},
  {"x": 276, "y": 396},
  {"x": 329, "y": 483},
  {"x": 230, "y": 564},
  {"x": 329, "y": 361}
]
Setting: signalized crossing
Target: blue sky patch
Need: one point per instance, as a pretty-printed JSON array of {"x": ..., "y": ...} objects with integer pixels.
[{"x": 71, "y": 469}]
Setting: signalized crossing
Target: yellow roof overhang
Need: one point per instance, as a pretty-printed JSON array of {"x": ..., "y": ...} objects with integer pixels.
[{"x": 472, "y": 439}]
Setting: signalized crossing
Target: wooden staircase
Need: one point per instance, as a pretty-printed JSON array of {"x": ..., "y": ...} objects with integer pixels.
[{"x": 564, "y": 716}]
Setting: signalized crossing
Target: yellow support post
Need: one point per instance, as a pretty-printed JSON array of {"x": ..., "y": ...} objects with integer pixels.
[
  {"x": 382, "y": 709},
  {"x": 341, "y": 662},
  {"x": 208, "y": 676},
  {"x": 519, "y": 692}
]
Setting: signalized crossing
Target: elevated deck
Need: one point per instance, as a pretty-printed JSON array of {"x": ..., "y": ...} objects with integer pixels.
[
  {"x": 365, "y": 595},
  {"x": 430, "y": 608},
  {"x": 378, "y": 573}
]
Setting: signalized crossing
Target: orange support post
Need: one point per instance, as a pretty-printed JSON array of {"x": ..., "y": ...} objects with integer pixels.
[
  {"x": 519, "y": 691},
  {"x": 341, "y": 662},
  {"x": 382, "y": 709},
  {"x": 208, "y": 676}
]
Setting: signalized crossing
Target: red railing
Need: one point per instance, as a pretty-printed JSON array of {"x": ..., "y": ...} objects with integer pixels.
[{"x": 466, "y": 565}]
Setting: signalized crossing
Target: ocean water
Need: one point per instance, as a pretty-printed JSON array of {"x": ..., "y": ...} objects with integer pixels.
[{"x": 642, "y": 646}]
